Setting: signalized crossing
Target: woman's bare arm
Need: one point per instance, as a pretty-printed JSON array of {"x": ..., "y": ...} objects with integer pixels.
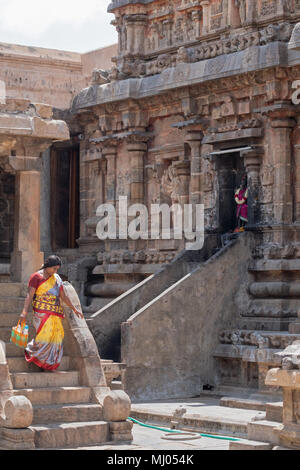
[
  {"x": 28, "y": 301},
  {"x": 68, "y": 302}
]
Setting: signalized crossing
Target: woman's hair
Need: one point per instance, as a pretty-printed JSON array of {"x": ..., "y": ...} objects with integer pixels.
[{"x": 52, "y": 261}]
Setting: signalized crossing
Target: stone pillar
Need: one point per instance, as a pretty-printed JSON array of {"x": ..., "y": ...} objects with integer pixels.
[
  {"x": 27, "y": 257},
  {"x": 205, "y": 7},
  {"x": 110, "y": 154},
  {"x": 136, "y": 25},
  {"x": 137, "y": 152},
  {"x": 297, "y": 182},
  {"x": 252, "y": 161},
  {"x": 194, "y": 141},
  {"x": 183, "y": 171},
  {"x": 280, "y": 153}
]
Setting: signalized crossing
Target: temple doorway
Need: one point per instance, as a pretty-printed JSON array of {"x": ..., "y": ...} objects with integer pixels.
[
  {"x": 65, "y": 221},
  {"x": 230, "y": 172},
  {"x": 7, "y": 212}
]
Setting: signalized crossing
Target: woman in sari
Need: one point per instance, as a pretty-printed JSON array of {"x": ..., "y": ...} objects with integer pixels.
[
  {"x": 45, "y": 292},
  {"x": 241, "y": 197}
]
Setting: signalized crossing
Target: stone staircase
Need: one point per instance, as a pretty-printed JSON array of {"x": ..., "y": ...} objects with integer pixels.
[
  {"x": 267, "y": 325},
  {"x": 65, "y": 412}
]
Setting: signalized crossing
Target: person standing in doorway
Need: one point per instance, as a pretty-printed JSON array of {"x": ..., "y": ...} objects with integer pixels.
[{"x": 241, "y": 198}]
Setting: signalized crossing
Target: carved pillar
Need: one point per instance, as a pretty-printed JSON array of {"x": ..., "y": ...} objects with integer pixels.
[
  {"x": 196, "y": 19},
  {"x": 183, "y": 172},
  {"x": 194, "y": 141},
  {"x": 137, "y": 150},
  {"x": 26, "y": 257},
  {"x": 136, "y": 25},
  {"x": 297, "y": 182},
  {"x": 205, "y": 7},
  {"x": 252, "y": 161},
  {"x": 281, "y": 154},
  {"x": 110, "y": 154}
]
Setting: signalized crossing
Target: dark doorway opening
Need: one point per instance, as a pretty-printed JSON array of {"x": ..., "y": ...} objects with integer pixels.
[
  {"x": 230, "y": 172},
  {"x": 65, "y": 221},
  {"x": 7, "y": 215}
]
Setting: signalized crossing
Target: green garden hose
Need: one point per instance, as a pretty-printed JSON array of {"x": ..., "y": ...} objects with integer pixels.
[{"x": 174, "y": 431}]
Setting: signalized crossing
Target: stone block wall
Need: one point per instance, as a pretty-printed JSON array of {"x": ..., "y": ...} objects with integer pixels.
[{"x": 168, "y": 345}]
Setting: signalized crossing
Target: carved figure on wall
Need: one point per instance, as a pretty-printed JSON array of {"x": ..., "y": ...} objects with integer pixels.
[
  {"x": 182, "y": 55},
  {"x": 241, "y": 197},
  {"x": 171, "y": 184},
  {"x": 241, "y": 4},
  {"x": 99, "y": 77}
]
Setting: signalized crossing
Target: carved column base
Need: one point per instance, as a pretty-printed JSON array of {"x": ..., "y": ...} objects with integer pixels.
[
  {"x": 17, "y": 439},
  {"x": 121, "y": 431}
]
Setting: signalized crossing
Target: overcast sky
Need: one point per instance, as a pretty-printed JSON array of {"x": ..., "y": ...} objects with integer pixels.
[{"x": 71, "y": 25}]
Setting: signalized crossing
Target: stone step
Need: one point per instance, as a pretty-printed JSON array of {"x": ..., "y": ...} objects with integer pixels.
[
  {"x": 45, "y": 379},
  {"x": 243, "y": 403},
  {"x": 275, "y": 289},
  {"x": 265, "y": 324},
  {"x": 217, "y": 425},
  {"x": 19, "y": 364},
  {"x": 14, "y": 289},
  {"x": 13, "y": 351},
  {"x": 56, "y": 395},
  {"x": 10, "y": 319},
  {"x": 223, "y": 391},
  {"x": 245, "y": 444},
  {"x": 67, "y": 413},
  {"x": 75, "y": 434},
  {"x": 274, "y": 265},
  {"x": 11, "y": 305},
  {"x": 274, "y": 412},
  {"x": 264, "y": 431}
]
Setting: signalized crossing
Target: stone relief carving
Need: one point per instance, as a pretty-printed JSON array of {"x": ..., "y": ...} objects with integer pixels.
[
  {"x": 241, "y": 4},
  {"x": 133, "y": 66},
  {"x": 267, "y": 181},
  {"x": 260, "y": 340},
  {"x": 142, "y": 256},
  {"x": 268, "y": 7},
  {"x": 171, "y": 184}
]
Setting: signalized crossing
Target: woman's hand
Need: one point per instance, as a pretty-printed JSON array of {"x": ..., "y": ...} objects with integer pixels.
[
  {"x": 23, "y": 315},
  {"x": 78, "y": 313}
]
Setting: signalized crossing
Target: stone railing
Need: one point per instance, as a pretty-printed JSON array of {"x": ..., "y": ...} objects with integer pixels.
[{"x": 16, "y": 413}]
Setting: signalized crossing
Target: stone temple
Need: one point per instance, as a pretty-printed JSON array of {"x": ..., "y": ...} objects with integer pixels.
[{"x": 197, "y": 94}]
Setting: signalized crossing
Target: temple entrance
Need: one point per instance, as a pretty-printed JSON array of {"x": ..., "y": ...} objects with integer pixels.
[
  {"x": 231, "y": 169},
  {"x": 65, "y": 222}
]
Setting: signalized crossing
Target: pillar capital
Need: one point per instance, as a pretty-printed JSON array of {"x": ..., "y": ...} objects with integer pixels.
[
  {"x": 13, "y": 163},
  {"x": 280, "y": 114}
]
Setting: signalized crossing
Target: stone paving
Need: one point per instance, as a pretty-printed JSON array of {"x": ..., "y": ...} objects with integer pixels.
[{"x": 159, "y": 412}]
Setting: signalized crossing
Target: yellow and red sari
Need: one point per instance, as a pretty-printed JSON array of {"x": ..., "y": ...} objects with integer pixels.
[{"x": 46, "y": 350}]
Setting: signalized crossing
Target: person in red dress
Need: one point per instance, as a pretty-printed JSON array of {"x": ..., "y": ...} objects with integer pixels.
[{"x": 241, "y": 197}]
